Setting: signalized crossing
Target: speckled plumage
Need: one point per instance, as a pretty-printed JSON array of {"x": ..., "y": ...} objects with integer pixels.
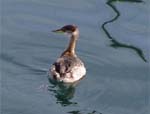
[{"x": 68, "y": 67}]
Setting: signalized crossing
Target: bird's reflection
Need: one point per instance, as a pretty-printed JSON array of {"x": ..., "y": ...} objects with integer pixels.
[{"x": 63, "y": 92}]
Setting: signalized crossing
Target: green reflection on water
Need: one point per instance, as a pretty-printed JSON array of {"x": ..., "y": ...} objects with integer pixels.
[
  {"x": 62, "y": 92},
  {"x": 115, "y": 43}
]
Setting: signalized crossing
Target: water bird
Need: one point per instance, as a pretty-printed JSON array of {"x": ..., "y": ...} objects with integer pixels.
[{"x": 68, "y": 68}]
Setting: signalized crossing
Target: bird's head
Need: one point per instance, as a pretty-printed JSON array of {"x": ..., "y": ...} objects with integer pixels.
[{"x": 68, "y": 29}]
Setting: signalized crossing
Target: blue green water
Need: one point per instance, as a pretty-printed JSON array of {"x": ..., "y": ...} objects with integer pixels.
[{"x": 114, "y": 45}]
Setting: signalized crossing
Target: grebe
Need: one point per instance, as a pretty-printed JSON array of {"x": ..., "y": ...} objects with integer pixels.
[{"x": 68, "y": 67}]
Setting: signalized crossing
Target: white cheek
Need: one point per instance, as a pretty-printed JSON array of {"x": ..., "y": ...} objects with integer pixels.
[
  {"x": 76, "y": 32},
  {"x": 68, "y": 34}
]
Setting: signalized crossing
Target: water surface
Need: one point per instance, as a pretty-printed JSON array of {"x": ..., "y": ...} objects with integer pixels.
[{"x": 117, "y": 78}]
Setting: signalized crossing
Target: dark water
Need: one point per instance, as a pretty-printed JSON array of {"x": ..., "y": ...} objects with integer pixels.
[{"x": 114, "y": 44}]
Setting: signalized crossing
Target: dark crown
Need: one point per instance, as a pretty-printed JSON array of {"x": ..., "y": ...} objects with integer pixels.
[{"x": 70, "y": 28}]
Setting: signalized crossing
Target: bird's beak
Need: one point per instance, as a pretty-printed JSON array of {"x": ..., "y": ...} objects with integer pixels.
[{"x": 58, "y": 31}]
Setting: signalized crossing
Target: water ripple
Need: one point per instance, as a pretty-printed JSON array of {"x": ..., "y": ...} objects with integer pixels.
[{"x": 115, "y": 43}]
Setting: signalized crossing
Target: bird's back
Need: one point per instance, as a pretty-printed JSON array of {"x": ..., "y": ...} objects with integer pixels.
[{"x": 68, "y": 69}]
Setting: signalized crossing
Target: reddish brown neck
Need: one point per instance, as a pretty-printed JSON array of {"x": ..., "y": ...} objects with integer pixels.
[{"x": 70, "y": 51}]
